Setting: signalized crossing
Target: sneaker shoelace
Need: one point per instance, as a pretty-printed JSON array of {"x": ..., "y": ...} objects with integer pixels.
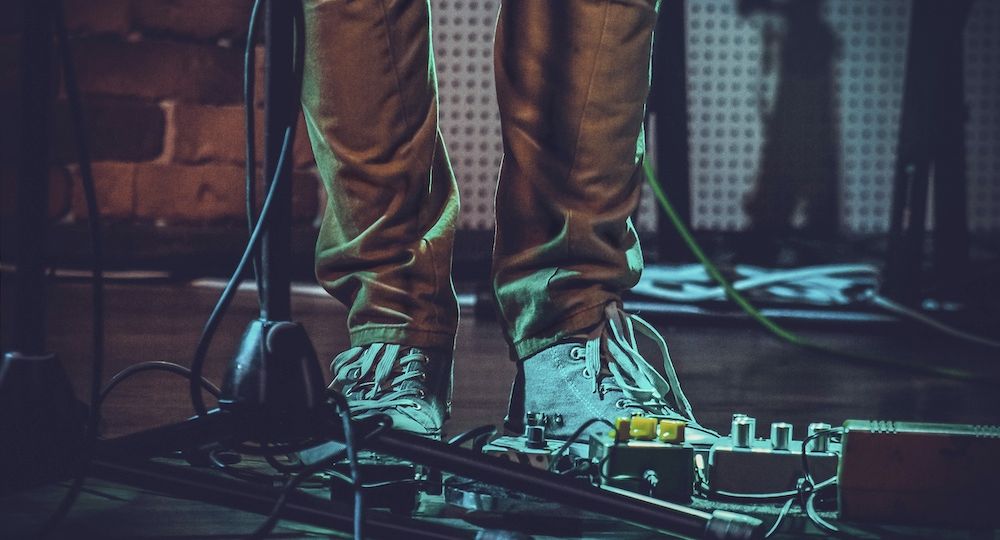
[
  {"x": 380, "y": 376},
  {"x": 630, "y": 373}
]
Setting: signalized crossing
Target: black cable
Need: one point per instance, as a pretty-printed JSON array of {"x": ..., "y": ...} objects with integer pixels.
[
  {"x": 272, "y": 519},
  {"x": 268, "y": 525},
  {"x": 352, "y": 457},
  {"x": 375, "y": 485},
  {"x": 818, "y": 520},
  {"x": 776, "y": 496},
  {"x": 246, "y": 475},
  {"x": 208, "y": 332},
  {"x": 583, "y": 467},
  {"x": 475, "y": 435},
  {"x": 782, "y": 514},
  {"x": 299, "y": 54},
  {"x": 249, "y": 107},
  {"x": 155, "y": 365},
  {"x": 804, "y": 454},
  {"x": 573, "y": 438},
  {"x": 94, "y": 219}
]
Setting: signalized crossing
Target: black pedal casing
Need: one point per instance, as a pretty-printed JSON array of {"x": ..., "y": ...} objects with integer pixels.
[
  {"x": 389, "y": 482},
  {"x": 625, "y": 464}
]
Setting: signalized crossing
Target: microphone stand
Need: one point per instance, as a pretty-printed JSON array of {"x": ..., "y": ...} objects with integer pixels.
[{"x": 37, "y": 406}]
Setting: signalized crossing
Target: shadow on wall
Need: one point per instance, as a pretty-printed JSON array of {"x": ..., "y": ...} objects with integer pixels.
[{"x": 796, "y": 189}]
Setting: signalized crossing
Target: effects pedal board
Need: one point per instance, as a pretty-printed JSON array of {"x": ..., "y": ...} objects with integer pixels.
[
  {"x": 644, "y": 455},
  {"x": 901, "y": 473},
  {"x": 651, "y": 456}
]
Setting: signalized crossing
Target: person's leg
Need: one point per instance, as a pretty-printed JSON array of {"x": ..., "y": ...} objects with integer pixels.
[
  {"x": 572, "y": 80},
  {"x": 385, "y": 245}
]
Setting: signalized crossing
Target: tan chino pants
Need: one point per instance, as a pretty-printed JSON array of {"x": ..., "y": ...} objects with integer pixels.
[{"x": 571, "y": 79}]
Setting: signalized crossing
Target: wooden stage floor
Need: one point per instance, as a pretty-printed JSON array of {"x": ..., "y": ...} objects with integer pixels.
[{"x": 724, "y": 369}]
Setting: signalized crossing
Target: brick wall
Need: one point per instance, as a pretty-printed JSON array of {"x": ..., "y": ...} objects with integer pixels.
[{"x": 161, "y": 82}]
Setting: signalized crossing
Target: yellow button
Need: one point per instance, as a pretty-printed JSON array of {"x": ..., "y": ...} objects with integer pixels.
[
  {"x": 642, "y": 428},
  {"x": 672, "y": 431},
  {"x": 621, "y": 432}
]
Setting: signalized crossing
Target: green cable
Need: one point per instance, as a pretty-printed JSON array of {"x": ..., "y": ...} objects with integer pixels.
[{"x": 772, "y": 326}]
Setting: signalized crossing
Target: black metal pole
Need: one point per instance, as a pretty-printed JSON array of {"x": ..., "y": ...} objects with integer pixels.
[
  {"x": 280, "y": 110},
  {"x": 669, "y": 102},
  {"x": 913, "y": 159},
  {"x": 951, "y": 230},
  {"x": 37, "y": 89},
  {"x": 214, "y": 426},
  {"x": 190, "y": 483}
]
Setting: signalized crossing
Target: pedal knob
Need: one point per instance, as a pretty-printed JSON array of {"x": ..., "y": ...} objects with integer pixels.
[
  {"x": 732, "y": 429},
  {"x": 821, "y": 443},
  {"x": 642, "y": 428},
  {"x": 743, "y": 432},
  {"x": 535, "y": 437},
  {"x": 781, "y": 435}
]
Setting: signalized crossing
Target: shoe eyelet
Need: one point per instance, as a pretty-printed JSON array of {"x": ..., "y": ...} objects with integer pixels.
[
  {"x": 417, "y": 406},
  {"x": 423, "y": 377},
  {"x": 421, "y": 394},
  {"x": 587, "y": 374},
  {"x": 620, "y": 404},
  {"x": 577, "y": 353}
]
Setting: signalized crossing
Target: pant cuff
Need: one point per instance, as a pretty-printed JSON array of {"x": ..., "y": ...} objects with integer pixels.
[
  {"x": 409, "y": 337},
  {"x": 572, "y": 326}
]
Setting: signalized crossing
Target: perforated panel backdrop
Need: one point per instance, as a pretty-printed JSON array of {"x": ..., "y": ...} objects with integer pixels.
[
  {"x": 982, "y": 90},
  {"x": 731, "y": 92},
  {"x": 463, "y": 46}
]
